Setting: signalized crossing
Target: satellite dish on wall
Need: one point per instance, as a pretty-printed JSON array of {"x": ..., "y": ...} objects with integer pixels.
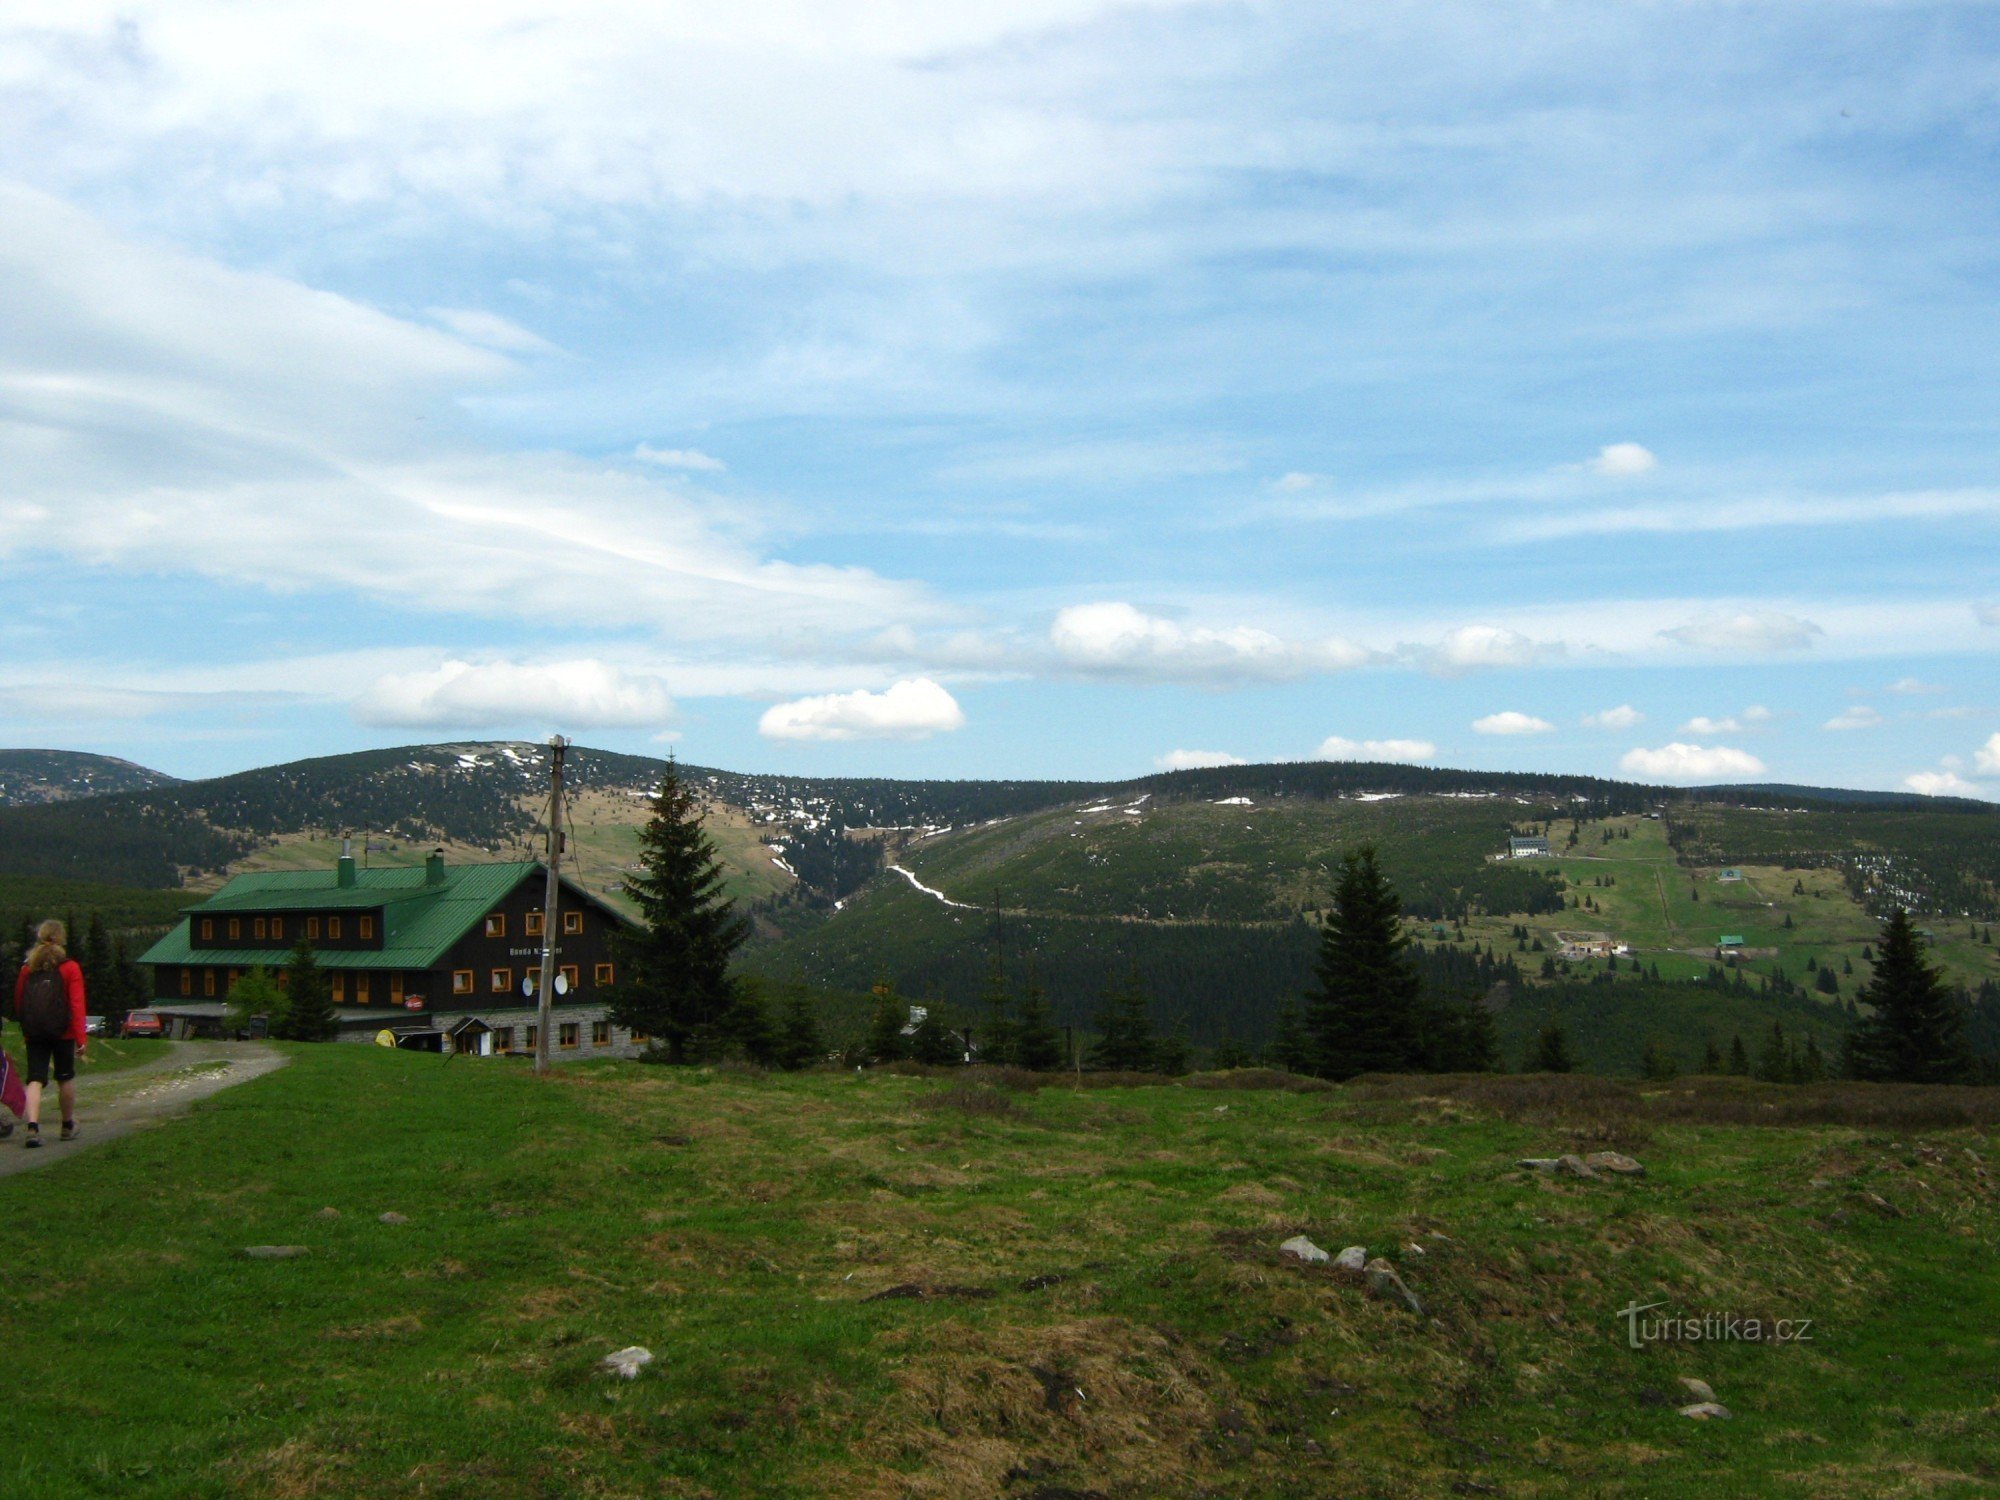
[{"x": 562, "y": 984}]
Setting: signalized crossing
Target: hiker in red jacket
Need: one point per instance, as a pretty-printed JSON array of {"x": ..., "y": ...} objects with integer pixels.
[{"x": 48, "y": 1002}]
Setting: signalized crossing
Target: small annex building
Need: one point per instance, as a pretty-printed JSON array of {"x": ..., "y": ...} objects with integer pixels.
[{"x": 429, "y": 948}]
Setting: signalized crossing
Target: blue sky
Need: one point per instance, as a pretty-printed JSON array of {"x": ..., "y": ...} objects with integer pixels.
[{"x": 1062, "y": 388}]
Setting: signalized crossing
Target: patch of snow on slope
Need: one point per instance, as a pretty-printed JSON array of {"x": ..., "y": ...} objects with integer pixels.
[
  {"x": 1234, "y": 802},
  {"x": 940, "y": 895}
]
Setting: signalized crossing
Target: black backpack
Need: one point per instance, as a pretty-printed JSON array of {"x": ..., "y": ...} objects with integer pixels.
[{"x": 45, "y": 1007}]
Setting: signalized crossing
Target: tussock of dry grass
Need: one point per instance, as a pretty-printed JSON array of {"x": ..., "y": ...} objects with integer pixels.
[{"x": 1575, "y": 1099}]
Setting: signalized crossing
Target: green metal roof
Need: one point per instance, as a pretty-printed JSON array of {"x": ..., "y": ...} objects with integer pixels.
[{"x": 420, "y": 919}]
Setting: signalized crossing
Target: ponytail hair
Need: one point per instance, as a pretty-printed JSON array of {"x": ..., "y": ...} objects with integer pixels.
[{"x": 48, "y": 952}]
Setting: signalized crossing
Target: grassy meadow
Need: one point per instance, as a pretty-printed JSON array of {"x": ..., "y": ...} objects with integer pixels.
[{"x": 885, "y": 1284}]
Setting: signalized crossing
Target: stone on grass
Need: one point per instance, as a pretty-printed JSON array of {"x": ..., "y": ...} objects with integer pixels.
[
  {"x": 1616, "y": 1162},
  {"x": 392, "y": 1217},
  {"x": 1703, "y": 1411},
  {"x": 1574, "y": 1166},
  {"x": 627, "y": 1362},
  {"x": 275, "y": 1252},
  {"x": 327, "y": 1213},
  {"x": 1699, "y": 1389},
  {"x": 1383, "y": 1282},
  {"x": 1301, "y": 1248},
  {"x": 1353, "y": 1258},
  {"x": 1539, "y": 1163}
]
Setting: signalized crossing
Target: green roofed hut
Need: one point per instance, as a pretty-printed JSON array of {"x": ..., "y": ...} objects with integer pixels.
[{"x": 432, "y": 945}]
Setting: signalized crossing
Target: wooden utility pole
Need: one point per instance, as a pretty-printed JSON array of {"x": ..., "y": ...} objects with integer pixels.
[{"x": 545, "y": 988}]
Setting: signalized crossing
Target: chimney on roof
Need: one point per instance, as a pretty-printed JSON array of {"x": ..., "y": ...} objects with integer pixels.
[
  {"x": 434, "y": 868},
  {"x": 343, "y": 869}
]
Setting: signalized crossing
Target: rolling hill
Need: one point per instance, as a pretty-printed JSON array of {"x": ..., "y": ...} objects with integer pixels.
[
  {"x": 31, "y": 777},
  {"x": 1205, "y": 885}
]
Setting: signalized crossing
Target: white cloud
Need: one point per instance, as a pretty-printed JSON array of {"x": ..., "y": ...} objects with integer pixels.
[
  {"x": 1195, "y": 760},
  {"x": 1915, "y": 687},
  {"x": 1987, "y": 756},
  {"x": 1511, "y": 722},
  {"x": 1337, "y": 747},
  {"x": 1943, "y": 784},
  {"x": 1473, "y": 646},
  {"x": 489, "y": 330},
  {"x": 1623, "y": 461},
  {"x": 1624, "y": 716},
  {"x": 913, "y": 709},
  {"x": 178, "y": 416},
  {"x": 490, "y": 695},
  {"x": 1859, "y": 716},
  {"x": 1756, "y": 631},
  {"x": 1684, "y": 762},
  {"x": 1752, "y": 717},
  {"x": 679, "y": 458},
  {"x": 1117, "y": 640}
]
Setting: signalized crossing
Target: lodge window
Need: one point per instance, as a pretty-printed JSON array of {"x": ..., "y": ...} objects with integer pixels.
[
  {"x": 531, "y": 925},
  {"x": 600, "y": 1033},
  {"x": 187, "y": 981},
  {"x": 360, "y": 989},
  {"x": 571, "y": 977},
  {"x": 395, "y": 989},
  {"x": 208, "y": 929},
  {"x": 602, "y": 973},
  {"x": 333, "y": 927},
  {"x": 496, "y": 924},
  {"x": 367, "y": 927},
  {"x": 208, "y": 983},
  {"x": 568, "y": 1034},
  {"x": 277, "y": 927},
  {"x": 337, "y": 987},
  {"x": 502, "y": 981},
  {"x": 259, "y": 929},
  {"x": 503, "y": 1039},
  {"x": 312, "y": 929},
  {"x": 235, "y": 927},
  {"x": 534, "y": 1037},
  {"x": 461, "y": 981},
  {"x": 572, "y": 923}
]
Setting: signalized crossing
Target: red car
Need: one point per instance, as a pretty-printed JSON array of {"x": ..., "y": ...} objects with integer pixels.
[{"x": 142, "y": 1023}]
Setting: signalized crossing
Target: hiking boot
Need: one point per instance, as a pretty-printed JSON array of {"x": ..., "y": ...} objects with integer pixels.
[
  {"x": 69, "y": 1130},
  {"x": 34, "y": 1138}
]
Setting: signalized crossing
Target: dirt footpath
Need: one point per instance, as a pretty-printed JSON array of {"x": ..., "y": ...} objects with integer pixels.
[{"x": 117, "y": 1104}]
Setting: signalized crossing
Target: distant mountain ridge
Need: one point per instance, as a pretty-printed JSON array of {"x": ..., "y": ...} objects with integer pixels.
[
  {"x": 31, "y": 777},
  {"x": 76, "y": 816}
]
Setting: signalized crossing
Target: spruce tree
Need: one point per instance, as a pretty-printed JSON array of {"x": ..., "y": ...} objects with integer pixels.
[
  {"x": 886, "y": 1042},
  {"x": 1916, "y": 1033},
  {"x": 1037, "y": 1044},
  {"x": 309, "y": 1013},
  {"x": 933, "y": 1043},
  {"x": 1288, "y": 1041},
  {"x": 745, "y": 1027},
  {"x": 1550, "y": 1051},
  {"x": 800, "y": 1041},
  {"x": 1363, "y": 1016},
  {"x": 1000, "y": 1046},
  {"x": 1739, "y": 1060},
  {"x": 1711, "y": 1058},
  {"x": 1229, "y": 1054},
  {"x": 674, "y": 966},
  {"x": 1657, "y": 1065},
  {"x": 1172, "y": 1053},
  {"x": 1774, "y": 1062},
  {"x": 1125, "y": 1031}
]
